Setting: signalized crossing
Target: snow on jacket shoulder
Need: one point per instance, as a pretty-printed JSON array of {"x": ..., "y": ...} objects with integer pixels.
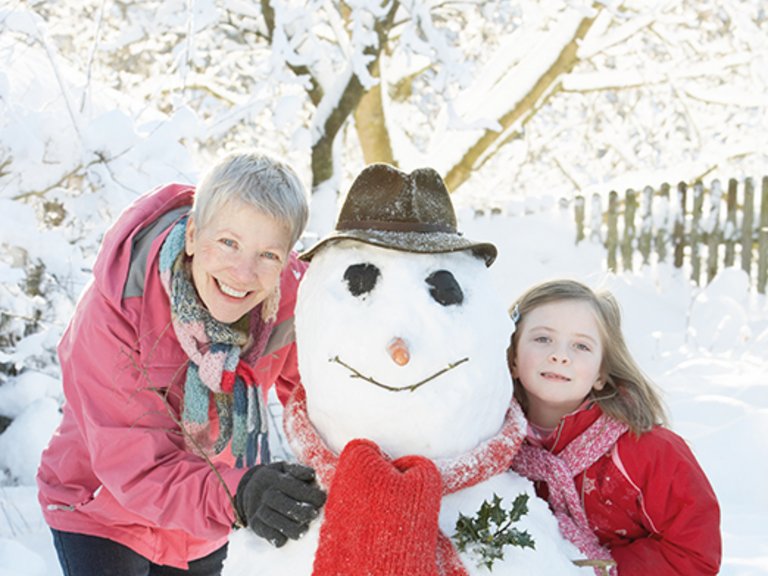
[
  {"x": 117, "y": 466},
  {"x": 649, "y": 502}
]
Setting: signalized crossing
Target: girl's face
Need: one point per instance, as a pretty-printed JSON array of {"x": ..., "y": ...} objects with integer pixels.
[
  {"x": 237, "y": 259},
  {"x": 558, "y": 358}
]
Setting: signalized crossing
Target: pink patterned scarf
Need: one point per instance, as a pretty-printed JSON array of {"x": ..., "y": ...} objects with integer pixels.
[
  {"x": 558, "y": 472},
  {"x": 492, "y": 457}
]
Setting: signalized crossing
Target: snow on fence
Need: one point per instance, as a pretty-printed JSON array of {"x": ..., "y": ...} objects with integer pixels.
[{"x": 697, "y": 228}]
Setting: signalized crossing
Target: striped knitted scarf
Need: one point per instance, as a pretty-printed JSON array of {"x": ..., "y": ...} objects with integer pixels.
[
  {"x": 216, "y": 376},
  {"x": 356, "y": 545},
  {"x": 558, "y": 472}
]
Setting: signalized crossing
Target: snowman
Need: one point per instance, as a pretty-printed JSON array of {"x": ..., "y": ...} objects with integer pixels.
[{"x": 405, "y": 410}]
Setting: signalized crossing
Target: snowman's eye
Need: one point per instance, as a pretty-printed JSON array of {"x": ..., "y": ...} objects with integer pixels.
[
  {"x": 444, "y": 288},
  {"x": 361, "y": 278}
]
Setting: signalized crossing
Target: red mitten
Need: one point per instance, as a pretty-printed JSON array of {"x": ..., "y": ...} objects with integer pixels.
[{"x": 381, "y": 516}]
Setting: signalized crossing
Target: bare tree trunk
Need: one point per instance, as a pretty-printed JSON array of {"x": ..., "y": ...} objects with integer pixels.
[
  {"x": 371, "y": 125},
  {"x": 565, "y": 62},
  {"x": 322, "y": 150}
]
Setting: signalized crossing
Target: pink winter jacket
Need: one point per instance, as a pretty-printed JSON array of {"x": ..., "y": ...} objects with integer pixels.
[{"x": 117, "y": 467}]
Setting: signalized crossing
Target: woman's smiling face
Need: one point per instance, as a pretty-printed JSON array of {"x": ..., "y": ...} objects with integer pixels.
[
  {"x": 237, "y": 258},
  {"x": 558, "y": 359}
]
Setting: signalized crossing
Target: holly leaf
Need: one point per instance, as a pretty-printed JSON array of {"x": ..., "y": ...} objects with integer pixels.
[{"x": 485, "y": 534}]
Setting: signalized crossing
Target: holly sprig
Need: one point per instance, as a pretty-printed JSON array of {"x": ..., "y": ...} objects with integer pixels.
[{"x": 486, "y": 533}]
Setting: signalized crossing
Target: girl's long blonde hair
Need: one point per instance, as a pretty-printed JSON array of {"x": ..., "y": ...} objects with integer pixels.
[{"x": 628, "y": 395}]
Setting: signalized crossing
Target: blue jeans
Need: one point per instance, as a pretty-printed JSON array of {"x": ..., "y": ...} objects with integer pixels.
[{"x": 83, "y": 555}]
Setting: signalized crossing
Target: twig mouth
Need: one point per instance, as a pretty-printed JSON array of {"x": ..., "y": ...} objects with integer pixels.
[{"x": 410, "y": 388}]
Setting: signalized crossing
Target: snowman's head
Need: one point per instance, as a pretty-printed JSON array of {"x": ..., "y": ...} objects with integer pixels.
[
  {"x": 406, "y": 347},
  {"x": 407, "y": 350}
]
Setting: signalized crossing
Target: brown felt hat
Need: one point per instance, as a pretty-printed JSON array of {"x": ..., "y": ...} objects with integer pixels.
[{"x": 410, "y": 212}]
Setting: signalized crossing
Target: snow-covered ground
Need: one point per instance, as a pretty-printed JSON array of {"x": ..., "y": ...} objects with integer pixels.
[{"x": 706, "y": 348}]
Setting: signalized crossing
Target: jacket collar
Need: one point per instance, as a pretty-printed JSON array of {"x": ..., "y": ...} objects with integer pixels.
[{"x": 571, "y": 425}]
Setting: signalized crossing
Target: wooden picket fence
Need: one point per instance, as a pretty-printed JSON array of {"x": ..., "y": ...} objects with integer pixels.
[{"x": 701, "y": 229}]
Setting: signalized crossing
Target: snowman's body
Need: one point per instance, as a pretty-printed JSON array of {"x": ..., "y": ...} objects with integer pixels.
[
  {"x": 408, "y": 351},
  {"x": 249, "y": 554}
]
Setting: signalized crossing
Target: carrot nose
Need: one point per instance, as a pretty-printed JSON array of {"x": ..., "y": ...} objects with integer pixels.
[{"x": 399, "y": 352}]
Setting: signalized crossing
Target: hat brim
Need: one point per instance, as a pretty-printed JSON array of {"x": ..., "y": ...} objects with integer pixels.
[{"x": 417, "y": 242}]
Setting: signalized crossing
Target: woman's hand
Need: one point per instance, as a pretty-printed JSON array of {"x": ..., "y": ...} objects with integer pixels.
[{"x": 279, "y": 500}]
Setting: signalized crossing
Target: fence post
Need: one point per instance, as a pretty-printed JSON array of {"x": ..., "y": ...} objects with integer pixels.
[
  {"x": 715, "y": 234},
  {"x": 612, "y": 237},
  {"x": 660, "y": 241},
  {"x": 762, "y": 242},
  {"x": 578, "y": 210},
  {"x": 729, "y": 234},
  {"x": 630, "y": 207},
  {"x": 696, "y": 236},
  {"x": 646, "y": 224},
  {"x": 747, "y": 227},
  {"x": 678, "y": 232}
]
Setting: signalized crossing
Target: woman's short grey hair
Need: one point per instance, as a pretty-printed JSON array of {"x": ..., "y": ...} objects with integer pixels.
[{"x": 262, "y": 181}]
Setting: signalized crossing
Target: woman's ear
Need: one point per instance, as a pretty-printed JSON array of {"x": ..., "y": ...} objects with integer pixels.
[{"x": 189, "y": 237}]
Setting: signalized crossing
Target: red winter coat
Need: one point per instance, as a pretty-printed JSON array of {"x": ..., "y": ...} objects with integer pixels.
[
  {"x": 648, "y": 501},
  {"x": 117, "y": 466}
]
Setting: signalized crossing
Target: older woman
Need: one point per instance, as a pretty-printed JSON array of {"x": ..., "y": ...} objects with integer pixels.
[{"x": 166, "y": 362}]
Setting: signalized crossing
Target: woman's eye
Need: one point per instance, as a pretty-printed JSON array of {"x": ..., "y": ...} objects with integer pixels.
[
  {"x": 583, "y": 347},
  {"x": 444, "y": 288},
  {"x": 361, "y": 278},
  {"x": 270, "y": 256},
  {"x": 541, "y": 339}
]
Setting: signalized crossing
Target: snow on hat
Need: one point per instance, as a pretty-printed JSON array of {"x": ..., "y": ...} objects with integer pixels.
[{"x": 410, "y": 212}]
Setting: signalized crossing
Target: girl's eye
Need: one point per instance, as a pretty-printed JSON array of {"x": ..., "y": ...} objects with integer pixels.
[
  {"x": 541, "y": 339},
  {"x": 270, "y": 256},
  {"x": 583, "y": 347},
  {"x": 361, "y": 278},
  {"x": 444, "y": 288},
  {"x": 228, "y": 242}
]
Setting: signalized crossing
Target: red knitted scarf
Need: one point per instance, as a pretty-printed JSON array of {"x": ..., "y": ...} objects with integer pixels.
[
  {"x": 381, "y": 517},
  {"x": 558, "y": 472}
]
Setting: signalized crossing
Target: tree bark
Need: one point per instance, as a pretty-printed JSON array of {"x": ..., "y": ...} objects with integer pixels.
[
  {"x": 371, "y": 125},
  {"x": 322, "y": 150}
]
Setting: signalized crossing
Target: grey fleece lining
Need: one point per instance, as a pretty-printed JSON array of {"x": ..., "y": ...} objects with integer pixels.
[{"x": 142, "y": 242}]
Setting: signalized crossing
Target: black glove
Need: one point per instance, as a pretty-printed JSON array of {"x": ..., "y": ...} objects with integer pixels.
[{"x": 278, "y": 501}]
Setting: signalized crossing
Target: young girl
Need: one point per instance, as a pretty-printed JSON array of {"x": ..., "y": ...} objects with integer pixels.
[{"x": 619, "y": 483}]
